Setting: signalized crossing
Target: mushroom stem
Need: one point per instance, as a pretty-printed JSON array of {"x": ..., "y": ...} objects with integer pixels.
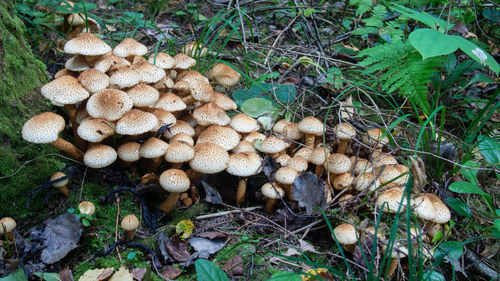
[
  {"x": 310, "y": 140},
  {"x": 176, "y": 166},
  {"x": 129, "y": 234},
  {"x": 240, "y": 192},
  {"x": 155, "y": 163},
  {"x": 71, "y": 110},
  {"x": 270, "y": 205},
  {"x": 318, "y": 170},
  {"x": 288, "y": 191},
  {"x": 64, "y": 190},
  {"x": 342, "y": 146},
  {"x": 68, "y": 148},
  {"x": 189, "y": 100},
  {"x": 170, "y": 202},
  {"x": 393, "y": 265}
]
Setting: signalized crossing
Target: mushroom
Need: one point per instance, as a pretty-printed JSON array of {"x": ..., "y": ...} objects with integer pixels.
[
  {"x": 224, "y": 102},
  {"x": 99, "y": 156},
  {"x": 45, "y": 128},
  {"x": 162, "y": 60},
  {"x": 244, "y": 124},
  {"x": 7, "y": 226},
  {"x": 109, "y": 104},
  {"x": 344, "y": 133},
  {"x": 286, "y": 176},
  {"x": 273, "y": 194},
  {"x": 225, "y": 75},
  {"x": 129, "y": 48},
  {"x": 366, "y": 180},
  {"x": 136, "y": 122},
  {"x": 128, "y": 153},
  {"x": 154, "y": 149},
  {"x": 243, "y": 165},
  {"x": 343, "y": 181},
  {"x": 130, "y": 223},
  {"x": 225, "y": 137},
  {"x": 174, "y": 181},
  {"x": 394, "y": 197},
  {"x": 273, "y": 146},
  {"x": 298, "y": 163},
  {"x": 311, "y": 127},
  {"x": 282, "y": 159},
  {"x": 93, "y": 80},
  {"x": 346, "y": 235},
  {"x": 318, "y": 157},
  {"x": 209, "y": 158},
  {"x": 423, "y": 207},
  {"x": 61, "y": 185},
  {"x": 337, "y": 164},
  {"x": 86, "y": 208},
  {"x": 194, "y": 49},
  {"x": 373, "y": 138},
  {"x": 360, "y": 165},
  {"x": 178, "y": 153},
  {"x": 143, "y": 95},
  {"x": 88, "y": 45},
  {"x": 95, "y": 129}
]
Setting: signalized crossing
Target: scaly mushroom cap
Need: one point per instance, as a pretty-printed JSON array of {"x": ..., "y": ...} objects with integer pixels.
[
  {"x": 61, "y": 183},
  {"x": 194, "y": 49},
  {"x": 8, "y": 223},
  {"x": 86, "y": 44},
  {"x": 64, "y": 90},
  {"x": 344, "y": 131},
  {"x": 225, "y": 137},
  {"x": 373, "y": 138},
  {"x": 170, "y": 102},
  {"x": 343, "y": 181},
  {"x": 202, "y": 91},
  {"x": 182, "y": 137},
  {"x": 338, "y": 163},
  {"x": 306, "y": 153},
  {"x": 130, "y": 223},
  {"x": 243, "y": 123},
  {"x": 442, "y": 214},
  {"x": 280, "y": 125},
  {"x": 224, "y": 102},
  {"x": 389, "y": 175},
  {"x": 99, "y": 156},
  {"x": 225, "y": 75},
  {"x": 77, "y": 63},
  {"x": 270, "y": 192},
  {"x": 124, "y": 77},
  {"x": 291, "y": 131},
  {"x": 272, "y": 145},
  {"x": 164, "y": 118},
  {"x": 282, "y": 159},
  {"x": 86, "y": 208},
  {"x": 109, "y": 104},
  {"x": 143, "y": 95},
  {"x": 209, "y": 114},
  {"x": 382, "y": 160},
  {"x": 244, "y": 164},
  {"x": 209, "y": 158},
  {"x": 298, "y": 163},
  {"x": 423, "y": 207},
  {"x": 163, "y": 60},
  {"x": 95, "y": 130},
  {"x": 253, "y": 136},
  {"x": 130, "y": 47},
  {"x": 180, "y": 126},
  {"x": 286, "y": 175},
  {"x": 93, "y": 80},
  {"x": 362, "y": 165},
  {"x": 164, "y": 84},
  {"x": 64, "y": 72},
  {"x": 179, "y": 152},
  {"x": 129, "y": 151},
  {"x": 318, "y": 156},
  {"x": 136, "y": 122},
  {"x": 43, "y": 128},
  {"x": 110, "y": 63},
  {"x": 153, "y": 148},
  {"x": 148, "y": 73},
  {"x": 244, "y": 146},
  {"x": 345, "y": 234},
  {"x": 366, "y": 180},
  {"x": 393, "y": 197},
  {"x": 183, "y": 61},
  {"x": 311, "y": 126},
  {"x": 174, "y": 180}
]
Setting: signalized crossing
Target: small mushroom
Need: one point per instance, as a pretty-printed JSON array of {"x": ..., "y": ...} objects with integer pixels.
[
  {"x": 346, "y": 235},
  {"x": 344, "y": 133},
  {"x": 61, "y": 185},
  {"x": 273, "y": 194},
  {"x": 86, "y": 208},
  {"x": 311, "y": 127},
  {"x": 174, "y": 181},
  {"x": 243, "y": 165},
  {"x": 130, "y": 223},
  {"x": 7, "y": 226}
]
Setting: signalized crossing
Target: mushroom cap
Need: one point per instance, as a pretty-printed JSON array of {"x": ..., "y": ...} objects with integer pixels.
[
  {"x": 148, "y": 73},
  {"x": 344, "y": 131},
  {"x": 280, "y": 125},
  {"x": 124, "y": 77},
  {"x": 393, "y": 196},
  {"x": 225, "y": 75},
  {"x": 129, "y": 47},
  {"x": 282, "y": 159},
  {"x": 373, "y": 138},
  {"x": 209, "y": 158},
  {"x": 405, "y": 172},
  {"x": 136, "y": 122},
  {"x": 56, "y": 176},
  {"x": 311, "y": 126},
  {"x": 86, "y": 208},
  {"x": 443, "y": 214},
  {"x": 130, "y": 223},
  {"x": 64, "y": 90},
  {"x": 193, "y": 49},
  {"x": 164, "y": 84},
  {"x": 164, "y": 118},
  {"x": 243, "y": 123},
  {"x": 8, "y": 223},
  {"x": 423, "y": 207},
  {"x": 389, "y": 174},
  {"x": 366, "y": 180},
  {"x": 183, "y": 61},
  {"x": 209, "y": 114},
  {"x": 163, "y": 60},
  {"x": 129, "y": 151},
  {"x": 306, "y": 152},
  {"x": 344, "y": 200},
  {"x": 110, "y": 63},
  {"x": 291, "y": 131},
  {"x": 362, "y": 165},
  {"x": 343, "y": 181},
  {"x": 346, "y": 234},
  {"x": 43, "y": 128},
  {"x": 272, "y": 145},
  {"x": 202, "y": 91},
  {"x": 318, "y": 156},
  {"x": 109, "y": 104},
  {"x": 65, "y": 72},
  {"x": 86, "y": 44},
  {"x": 95, "y": 130},
  {"x": 143, "y": 95},
  {"x": 179, "y": 152},
  {"x": 182, "y": 137},
  {"x": 174, "y": 180},
  {"x": 383, "y": 159},
  {"x": 338, "y": 163},
  {"x": 253, "y": 136},
  {"x": 93, "y": 80},
  {"x": 170, "y": 102},
  {"x": 99, "y": 156},
  {"x": 270, "y": 192},
  {"x": 225, "y": 137},
  {"x": 244, "y": 146},
  {"x": 244, "y": 164},
  {"x": 180, "y": 126},
  {"x": 77, "y": 63},
  {"x": 224, "y": 102},
  {"x": 286, "y": 175},
  {"x": 153, "y": 148},
  {"x": 298, "y": 163}
]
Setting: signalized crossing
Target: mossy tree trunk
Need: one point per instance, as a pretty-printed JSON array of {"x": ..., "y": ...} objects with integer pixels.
[{"x": 21, "y": 75}]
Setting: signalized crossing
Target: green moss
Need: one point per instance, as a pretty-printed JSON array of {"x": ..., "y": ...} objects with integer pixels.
[{"x": 20, "y": 74}]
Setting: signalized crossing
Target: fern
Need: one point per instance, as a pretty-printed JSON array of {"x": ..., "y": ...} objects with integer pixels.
[{"x": 402, "y": 70}]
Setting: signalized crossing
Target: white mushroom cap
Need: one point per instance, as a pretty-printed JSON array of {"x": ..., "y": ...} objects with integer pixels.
[
  {"x": 174, "y": 180},
  {"x": 286, "y": 175},
  {"x": 180, "y": 126},
  {"x": 86, "y": 208},
  {"x": 343, "y": 181},
  {"x": 59, "y": 175},
  {"x": 373, "y": 138},
  {"x": 99, "y": 156},
  {"x": 95, "y": 130},
  {"x": 209, "y": 158},
  {"x": 209, "y": 114},
  {"x": 130, "y": 47},
  {"x": 243, "y": 123},
  {"x": 129, "y": 151},
  {"x": 124, "y": 77},
  {"x": 93, "y": 80},
  {"x": 225, "y": 137},
  {"x": 346, "y": 234},
  {"x": 423, "y": 207},
  {"x": 298, "y": 163},
  {"x": 338, "y": 163},
  {"x": 130, "y": 223},
  {"x": 8, "y": 223},
  {"x": 244, "y": 164},
  {"x": 109, "y": 104},
  {"x": 272, "y": 145},
  {"x": 43, "y": 128},
  {"x": 362, "y": 165},
  {"x": 170, "y": 102},
  {"x": 442, "y": 214},
  {"x": 393, "y": 197},
  {"x": 136, "y": 122},
  {"x": 344, "y": 131},
  {"x": 311, "y": 126},
  {"x": 77, "y": 63},
  {"x": 143, "y": 95},
  {"x": 153, "y": 148},
  {"x": 163, "y": 60},
  {"x": 179, "y": 152},
  {"x": 86, "y": 44},
  {"x": 270, "y": 192},
  {"x": 64, "y": 90}
]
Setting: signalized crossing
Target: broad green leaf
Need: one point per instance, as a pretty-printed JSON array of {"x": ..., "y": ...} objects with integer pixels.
[
  {"x": 452, "y": 249},
  {"x": 459, "y": 206},
  {"x": 284, "y": 93},
  {"x": 450, "y": 63},
  {"x": 285, "y": 276},
  {"x": 433, "y": 276},
  {"x": 423, "y": 17},
  {"x": 497, "y": 224},
  {"x": 476, "y": 53},
  {"x": 131, "y": 255},
  {"x": 492, "y": 14},
  {"x": 208, "y": 271},
  {"x": 497, "y": 211},
  {"x": 467, "y": 187},
  {"x": 308, "y": 12},
  {"x": 48, "y": 276},
  {"x": 256, "y": 107},
  {"x": 430, "y": 43},
  {"x": 480, "y": 77},
  {"x": 437, "y": 237},
  {"x": 17, "y": 275},
  {"x": 85, "y": 222},
  {"x": 470, "y": 174},
  {"x": 490, "y": 149}
]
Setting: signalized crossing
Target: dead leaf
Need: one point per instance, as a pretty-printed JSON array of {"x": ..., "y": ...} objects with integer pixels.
[
  {"x": 178, "y": 250},
  {"x": 61, "y": 235},
  {"x": 418, "y": 174},
  {"x": 303, "y": 247},
  {"x": 346, "y": 109},
  {"x": 122, "y": 275},
  {"x": 184, "y": 229},
  {"x": 97, "y": 274},
  {"x": 171, "y": 272},
  {"x": 66, "y": 275},
  {"x": 138, "y": 273},
  {"x": 205, "y": 246},
  {"x": 213, "y": 235},
  {"x": 212, "y": 194},
  {"x": 350, "y": 47},
  {"x": 309, "y": 191},
  {"x": 234, "y": 266}
]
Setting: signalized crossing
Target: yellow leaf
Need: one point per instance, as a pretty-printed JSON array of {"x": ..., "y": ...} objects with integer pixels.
[{"x": 184, "y": 228}]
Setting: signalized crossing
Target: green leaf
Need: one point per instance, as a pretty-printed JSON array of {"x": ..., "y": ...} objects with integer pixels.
[
  {"x": 470, "y": 174},
  {"x": 477, "y": 54},
  {"x": 496, "y": 223},
  {"x": 433, "y": 276},
  {"x": 71, "y": 210},
  {"x": 208, "y": 271},
  {"x": 480, "y": 77},
  {"x": 430, "y": 43},
  {"x": 85, "y": 222},
  {"x": 497, "y": 211},
  {"x": 308, "y": 12},
  {"x": 17, "y": 275},
  {"x": 79, "y": 6},
  {"x": 437, "y": 237},
  {"x": 459, "y": 206},
  {"x": 452, "y": 249},
  {"x": 450, "y": 63},
  {"x": 423, "y": 17},
  {"x": 285, "y": 276},
  {"x": 256, "y": 107},
  {"x": 48, "y": 276},
  {"x": 467, "y": 187},
  {"x": 131, "y": 256},
  {"x": 490, "y": 149}
]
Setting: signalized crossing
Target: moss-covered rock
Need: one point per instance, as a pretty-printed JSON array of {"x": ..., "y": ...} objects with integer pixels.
[{"x": 21, "y": 75}]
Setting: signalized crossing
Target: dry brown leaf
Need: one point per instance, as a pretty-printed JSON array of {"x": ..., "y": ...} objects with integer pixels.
[
  {"x": 122, "y": 275},
  {"x": 97, "y": 274},
  {"x": 171, "y": 272},
  {"x": 234, "y": 266}
]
